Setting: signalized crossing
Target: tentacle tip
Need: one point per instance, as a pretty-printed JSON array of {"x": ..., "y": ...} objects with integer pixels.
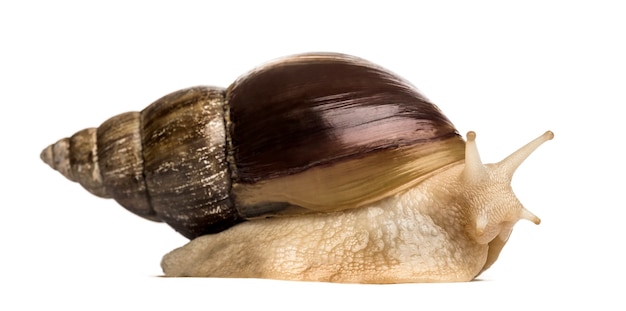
[
  {"x": 549, "y": 135},
  {"x": 471, "y": 136},
  {"x": 526, "y": 214}
]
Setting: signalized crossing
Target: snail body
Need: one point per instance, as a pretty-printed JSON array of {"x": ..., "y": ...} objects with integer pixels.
[{"x": 317, "y": 166}]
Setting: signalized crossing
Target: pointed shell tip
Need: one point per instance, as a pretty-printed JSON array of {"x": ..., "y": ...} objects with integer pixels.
[{"x": 47, "y": 157}]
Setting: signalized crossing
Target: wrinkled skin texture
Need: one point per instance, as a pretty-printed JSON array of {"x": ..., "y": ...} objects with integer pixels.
[{"x": 389, "y": 242}]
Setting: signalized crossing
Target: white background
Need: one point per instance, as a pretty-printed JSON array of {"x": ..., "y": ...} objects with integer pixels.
[{"x": 507, "y": 71}]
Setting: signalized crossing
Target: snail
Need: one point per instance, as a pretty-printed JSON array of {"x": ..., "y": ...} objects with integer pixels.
[{"x": 317, "y": 167}]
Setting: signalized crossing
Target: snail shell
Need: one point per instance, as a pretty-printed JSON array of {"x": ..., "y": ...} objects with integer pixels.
[
  {"x": 330, "y": 138},
  {"x": 283, "y": 139}
]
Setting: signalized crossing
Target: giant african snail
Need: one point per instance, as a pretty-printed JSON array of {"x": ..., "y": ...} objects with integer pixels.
[{"x": 347, "y": 173}]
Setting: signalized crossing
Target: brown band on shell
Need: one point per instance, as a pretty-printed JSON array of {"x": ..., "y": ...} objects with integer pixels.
[
  {"x": 347, "y": 184},
  {"x": 318, "y": 109},
  {"x": 185, "y": 161},
  {"x": 121, "y": 163},
  {"x": 83, "y": 158}
]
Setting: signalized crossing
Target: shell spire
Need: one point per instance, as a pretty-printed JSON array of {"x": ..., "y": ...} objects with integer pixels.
[
  {"x": 127, "y": 158},
  {"x": 76, "y": 158}
]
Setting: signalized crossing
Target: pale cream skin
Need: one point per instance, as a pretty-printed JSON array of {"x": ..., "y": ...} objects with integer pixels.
[{"x": 448, "y": 228}]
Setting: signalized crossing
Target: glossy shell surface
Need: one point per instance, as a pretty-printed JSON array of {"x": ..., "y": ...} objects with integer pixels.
[{"x": 328, "y": 132}]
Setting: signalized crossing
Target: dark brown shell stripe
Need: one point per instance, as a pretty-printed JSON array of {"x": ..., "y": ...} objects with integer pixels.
[
  {"x": 315, "y": 109},
  {"x": 328, "y": 132}
]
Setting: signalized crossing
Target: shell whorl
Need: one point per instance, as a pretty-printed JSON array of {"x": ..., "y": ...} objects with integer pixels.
[{"x": 165, "y": 163}]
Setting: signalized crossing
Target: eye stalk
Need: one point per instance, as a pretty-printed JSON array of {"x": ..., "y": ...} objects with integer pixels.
[
  {"x": 474, "y": 171},
  {"x": 508, "y": 166}
]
